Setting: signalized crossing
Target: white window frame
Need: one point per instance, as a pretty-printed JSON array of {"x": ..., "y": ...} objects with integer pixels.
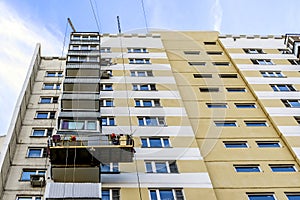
[
  {"x": 272, "y": 74},
  {"x": 104, "y": 102},
  {"x": 263, "y": 61},
  {"x": 153, "y": 102},
  {"x": 161, "y": 141},
  {"x": 137, "y": 50},
  {"x": 56, "y": 73},
  {"x": 26, "y": 197},
  {"x": 85, "y": 37},
  {"x": 54, "y": 86},
  {"x": 158, "y": 195},
  {"x": 48, "y": 114},
  {"x": 108, "y": 121},
  {"x": 159, "y": 120},
  {"x": 287, "y": 102},
  {"x": 290, "y": 87},
  {"x": 253, "y": 51},
  {"x": 138, "y": 86},
  {"x": 144, "y": 61},
  {"x": 112, "y": 166},
  {"x": 42, "y": 149},
  {"x": 46, "y": 130},
  {"x": 103, "y": 86},
  {"x": 37, "y": 171},
  {"x": 135, "y": 73},
  {"x": 111, "y": 193},
  {"x": 48, "y": 97},
  {"x": 153, "y": 165},
  {"x": 85, "y": 126},
  {"x": 83, "y": 58},
  {"x": 105, "y": 50}
]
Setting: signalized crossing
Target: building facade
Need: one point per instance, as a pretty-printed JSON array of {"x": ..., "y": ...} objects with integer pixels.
[{"x": 166, "y": 115}]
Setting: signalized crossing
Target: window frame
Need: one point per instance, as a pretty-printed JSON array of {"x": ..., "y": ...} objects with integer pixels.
[
  {"x": 42, "y": 153},
  {"x": 159, "y": 121},
  {"x": 64, "y": 124},
  {"x": 113, "y": 168},
  {"x": 164, "y": 142},
  {"x": 110, "y": 121},
  {"x": 191, "y": 52},
  {"x": 137, "y": 50},
  {"x": 114, "y": 193},
  {"x": 256, "y": 123},
  {"x": 276, "y": 167},
  {"x": 46, "y": 131},
  {"x": 141, "y": 61},
  {"x": 56, "y": 73},
  {"x": 35, "y": 171},
  {"x": 220, "y": 63},
  {"x": 140, "y": 103},
  {"x": 50, "y": 114},
  {"x": 253, "y": 168},
  {"x": 228, "y": 75},
  {"x": 263, "y": 144},
  {"x": 167, "y": 165},
  {"x": 245, "y": 105},
  {"x": 279, "y": 88},
  {"x": 139, "y": 87},
  {"x": 253, "y": 51},
  {"x": 272, "y": 74},
  {"x": 175, "y": 193},
  {"x": 53, "y": 99},
  {"x": 239, "y": 144},
  {"x": 106, "y": 102},
  {"x": 136, "y": 73},
  {"x": 288, "y": 104},
  {"x": 216, "y": 105},
  {"x": 106, "y": 87},
  {"x": 235, "y": 89},
  {"x": 55, "y": 86},
  {"x": 262, "y": 62},
  {"x": 225, "y": 123},
  {"x": 202, "y": 75},
  {"x": 292, "y": 194},
  {"x": 214, "y": 52},
  {"x": 266, "y": 194},
  {"x": 209, "y": 89},
  {"x": 196, "y": 63},
  {"x": 25, "y": 197}
]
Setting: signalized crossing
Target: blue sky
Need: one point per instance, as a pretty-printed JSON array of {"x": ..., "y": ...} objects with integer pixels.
[{"x": 25, "y": 23}]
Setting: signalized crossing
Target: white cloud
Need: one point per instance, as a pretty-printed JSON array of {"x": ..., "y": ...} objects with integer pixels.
[
  {"x": 217, "y": 13},
  {"x": 18, "y": 40}
]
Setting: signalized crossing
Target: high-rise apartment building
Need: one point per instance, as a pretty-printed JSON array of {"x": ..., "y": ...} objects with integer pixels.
[{"x": 166, "y": 115}]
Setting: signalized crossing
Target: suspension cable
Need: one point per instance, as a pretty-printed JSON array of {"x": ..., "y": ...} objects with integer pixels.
[
  {"x": 95, "y": 17},
  {"x": 127, "y": 101},
  {"x": 145, "y": 16}
]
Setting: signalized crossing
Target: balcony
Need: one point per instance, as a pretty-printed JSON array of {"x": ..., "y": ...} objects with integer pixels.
[
  {"x": 92, "y": 150},
  {"x": 75, "y": 191},
  {"x": 292, "y": 42}
]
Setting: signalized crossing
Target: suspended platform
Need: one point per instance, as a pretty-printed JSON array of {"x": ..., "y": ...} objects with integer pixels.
[{"x": 90, "y": 151}]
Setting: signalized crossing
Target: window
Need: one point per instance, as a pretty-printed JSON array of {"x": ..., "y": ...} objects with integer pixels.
[
  {"x": 139, "y": 61},
  {"x": 147, "y": 103},
  {"x": 209, "y": 89},
  {"x": 284, "y": 51},
  {"x": 45, "y": 115},
  {"x": 191, "y": 52},
  {"x": 268, "y": 144},
  {"x": 262, "y": 61},
  {"x": 106, "y": 87},
  {"x": 228, "y": 75},
  {"x": 202, "y": 75},
  {"x": 27, "y": 172},
  {"x": 105, "y": 50},
  {"x": 69, "y": 124},
  {"x": 197, "y": 64},
  {"x": 51, "y": 86},
  {"x": 283, "y": 88},
  {"x": 253, "y": 51},
  {"x": 297, "y": 119},
  {"x": 220, "y": 63},
  {"x": 29, "y": 198},
  {"x": 141, "y": 73},
  {"x": 156, "y": 142},
  {"x": 110, "y": 168},
  {"x": 225, "y": 123},
  {"x": 144, "y": 87},
  {"x": 255, "y": 123},
  {"x": 214, "y": 53},
  {"x": 272, "y": 74},
  {"x": 37, "y": 132},
  {"x": 110, "y": 194},
  {"x": 151, "y": 121},
  {"x": 107, "y": 102},
  {"x": 236, "y": 89},
  {"x": 293, "y": 103},
  {"x": 261, "y": 196},
  {"x": 294, "y": 61},
  {"x": 216, "y": 105},
  {"x": 235, "y": 144},
  {"x": 166, "y": 194},
  {"x": 137, "y": 50},
  {"x": 161, "y": 167},
  {"x": 107, "y": 121},
  {"x": 283, "y": 168},
  {"x": 48, "y": 100},
  {"x": 245, "y": 105},
  {"x": 247, "y": 168},
  {"x": 36, "y": 152},
  {"x": 210, "y": 43},
  {"x": 54, "y": 73},
  {"x": 293, "y": 195}
]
